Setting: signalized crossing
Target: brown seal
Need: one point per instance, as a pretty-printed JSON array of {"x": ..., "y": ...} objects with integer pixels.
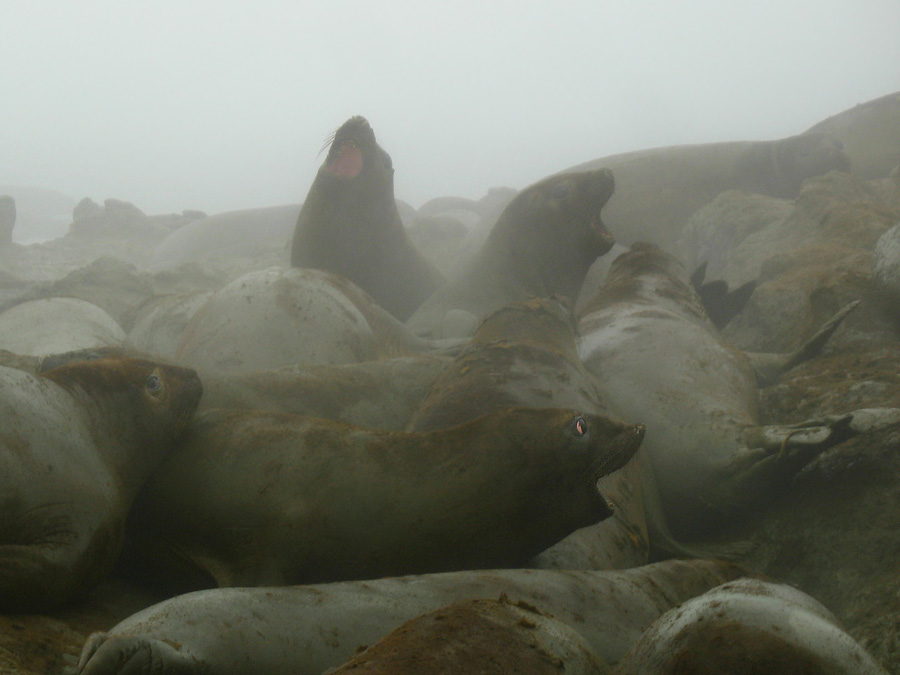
[
  {"x": 543, "y": 244},
  {"x": 525, "y": 355},
  {"x": 75, "y": 446},
  {"x": 349, "y": 225},
  {"x": 262, "y": 498},
  {"x": 478, "y": 636}
]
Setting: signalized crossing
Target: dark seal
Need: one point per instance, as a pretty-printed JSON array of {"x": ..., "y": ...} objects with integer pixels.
[
  {"x": 349, "y": 225},
  {"x": 543, "y": 244}
]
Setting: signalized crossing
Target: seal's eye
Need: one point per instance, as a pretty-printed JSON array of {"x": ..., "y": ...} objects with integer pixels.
[
  {"x": 559, "y": 191},
  {"x": 154, "y": 384},
  {"x": 580, "y": 426}
]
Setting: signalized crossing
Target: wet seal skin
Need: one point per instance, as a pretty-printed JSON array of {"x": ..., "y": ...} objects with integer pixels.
[
  {"x": 305, "y": 630},
  {"x": 543, "y": 244},
  {"x": 659, "y": 358},
  {"x": 349, "y": 225},
  {"x": 261, "y": 498},
  {"x": 525, "y": 354},
  {"x": 76, "y": 444}
]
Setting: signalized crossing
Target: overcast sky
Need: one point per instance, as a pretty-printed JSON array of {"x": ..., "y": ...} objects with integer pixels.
[{"x": 225, "y": 105}]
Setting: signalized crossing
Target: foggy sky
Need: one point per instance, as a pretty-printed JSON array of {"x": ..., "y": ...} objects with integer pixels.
[{"x": 225, "y": 105}]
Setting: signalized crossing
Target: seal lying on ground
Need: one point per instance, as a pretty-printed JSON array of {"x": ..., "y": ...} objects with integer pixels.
[
  {"x": 658, "y": 358},
  {"x": 657, "y": 190},
  {"x": 50, "y": 325},
  {"x": 349, "y": 225},
  {"x": 751, "y": 627},
  {"x": 75, "y": 446},
  {"x": 543, "y": 244},
  {"x": 525, "y": 355},
  {"x": 305, "y": 630},
  {"x": 253, "y": 497},
  {"x": 478, "y": 636}
]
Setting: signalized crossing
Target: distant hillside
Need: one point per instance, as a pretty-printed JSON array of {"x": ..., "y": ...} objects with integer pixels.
[{"x": 41, "y": 214}]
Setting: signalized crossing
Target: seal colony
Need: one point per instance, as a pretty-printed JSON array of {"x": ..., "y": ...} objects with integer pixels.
[
  {"x": 349, "y": 224},
  {"x": 467, "y": 477}
]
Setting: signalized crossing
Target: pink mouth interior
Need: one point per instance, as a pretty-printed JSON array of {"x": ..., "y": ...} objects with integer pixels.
[{"x": 348, "y": 163}]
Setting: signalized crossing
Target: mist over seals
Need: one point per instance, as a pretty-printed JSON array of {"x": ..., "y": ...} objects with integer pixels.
[
  {"x": 75, "y": 446},
  {"x": 349, "y": 225},
  {"x": 543, "y": 244},
  {"x": 261, "y": 498}
]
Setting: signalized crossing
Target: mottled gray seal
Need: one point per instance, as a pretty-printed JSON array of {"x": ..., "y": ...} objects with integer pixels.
[
  {"x": 750, "y": 627},
  {"x": 75, "y": 446},
  {"x": 659, "y": 358},
  {"x": 307, "y": 629},
  {"x": 543, "y": 244},
  {"x": 253, "y": 497},
  {"x": 658, "y": 189},
  {"x": 349, "y": 224}
]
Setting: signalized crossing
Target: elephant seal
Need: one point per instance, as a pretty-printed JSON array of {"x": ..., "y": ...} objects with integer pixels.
[
  {"x": 382, "y": 394},
  {"x": 478, "y": 636},
  {"x": 75, "y": 446},
  {"x": 525, "y": 355},
  {"x": 254, "y": 497},
  {"x": 349, "y": 225},
  {"x": 275, "y": 317},
  {"x": 659, "y": 189},
  {"x": 659, "y": 358},
  {"x": 307, "y": 629},
  {"x": 870, "y": 132},
  {"x": 543, "y": 244},
  {"x": 51, "y": 325},
  {"x": 751, "y": 627}
]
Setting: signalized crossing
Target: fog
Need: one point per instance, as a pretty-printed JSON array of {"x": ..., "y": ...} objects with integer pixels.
[{"x": 225, "y": 105}]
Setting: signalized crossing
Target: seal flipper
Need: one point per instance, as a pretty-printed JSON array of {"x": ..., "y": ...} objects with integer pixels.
[
  {"x": 720, "y": 303},
  {"x": 769, "y": 367},
  {"x": 103, "y": 654},
  {"x": 779, "y": 452}
]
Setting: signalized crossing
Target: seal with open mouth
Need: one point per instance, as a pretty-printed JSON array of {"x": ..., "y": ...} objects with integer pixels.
[
  {"x": 262, "y": 498},
  {"x": 543, "y": 244},
  {"x": 349, "y": 225}
]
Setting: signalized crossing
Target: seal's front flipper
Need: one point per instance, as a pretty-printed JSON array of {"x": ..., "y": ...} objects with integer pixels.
[
  {"x": 779, "y": 452},
  {"x": 108, "y": 655},
  {"x": 769, "y": 367}
]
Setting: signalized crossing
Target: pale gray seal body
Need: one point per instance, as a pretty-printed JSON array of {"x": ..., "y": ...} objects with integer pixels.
[
  {"x": 657, "y": 190},
  {"x": 75, "y": 446},
  {"x": 349, "y": 225},
  {"x": 51, "y": 325},
  {"x": 751, "y": 627},
  {"x": 658, "y": 358},
  {"x": 543, "y": 244},
  {"x": 307, "y": 629},
  {"x": 254, "y": 498}
]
